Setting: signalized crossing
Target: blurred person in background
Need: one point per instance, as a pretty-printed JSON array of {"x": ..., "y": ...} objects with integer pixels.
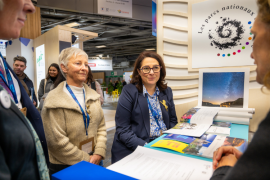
[{"x": 94, "y": 85}]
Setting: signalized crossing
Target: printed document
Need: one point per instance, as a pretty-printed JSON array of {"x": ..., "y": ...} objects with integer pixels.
[{"x": 145, "y": 163}]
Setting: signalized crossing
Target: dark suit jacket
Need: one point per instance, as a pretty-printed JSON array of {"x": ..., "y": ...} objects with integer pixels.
[
  {"x": 133, "y": 121},
  {"x": 33, "y": 115},
  {"x": 18, "y": 158}
]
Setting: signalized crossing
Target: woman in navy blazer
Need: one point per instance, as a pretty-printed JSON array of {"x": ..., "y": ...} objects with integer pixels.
[{"x": 145, "y": 107}]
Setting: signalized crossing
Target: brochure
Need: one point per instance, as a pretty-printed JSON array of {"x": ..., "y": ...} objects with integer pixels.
[
  {"x": 170, "y": 144},
  {"x": 222, "y": 124},
  {"x": 177, "y": 137},
  {"x": 219, "y": 130},
  {"x": 208, "y": 143}
]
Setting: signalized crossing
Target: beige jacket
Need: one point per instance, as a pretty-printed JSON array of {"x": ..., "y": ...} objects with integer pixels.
[{"x": 64, "y": 126}]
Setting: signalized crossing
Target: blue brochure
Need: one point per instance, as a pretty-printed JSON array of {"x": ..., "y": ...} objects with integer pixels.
[{"x": 177, "y": 137}]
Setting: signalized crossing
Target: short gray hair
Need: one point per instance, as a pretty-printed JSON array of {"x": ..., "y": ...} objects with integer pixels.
[{"x": 67, "y": 54}]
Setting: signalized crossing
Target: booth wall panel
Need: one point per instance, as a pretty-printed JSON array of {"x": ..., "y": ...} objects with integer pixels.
[
  {"x": 175, "y": 20},
  {"x": 175, "y": 60},
  {"x": 176, "y": 6},
  {"x": 175, "y": 34},
  {"x": 182, "y": 83},
  {"x": 175, "y": 48},
  {"x": 172, "y": 31},
  {"x": 32, "y": 25}
]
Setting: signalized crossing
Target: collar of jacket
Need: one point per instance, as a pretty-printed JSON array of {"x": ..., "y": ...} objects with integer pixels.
[{"x": 57, "y": 98}]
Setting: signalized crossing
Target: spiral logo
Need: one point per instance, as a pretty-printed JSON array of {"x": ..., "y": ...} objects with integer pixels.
[{"x": 227, "y": 34}]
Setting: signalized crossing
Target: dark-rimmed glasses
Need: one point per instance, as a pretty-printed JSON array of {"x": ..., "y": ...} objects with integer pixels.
[{"x": 147, "y": 69}]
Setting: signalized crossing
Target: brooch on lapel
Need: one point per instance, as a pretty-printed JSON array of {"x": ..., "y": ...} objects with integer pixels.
[{"x": 164, "y": 104}]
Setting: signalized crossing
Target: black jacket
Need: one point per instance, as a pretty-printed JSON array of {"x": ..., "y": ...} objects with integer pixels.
[
  {"x": 18, "y": 158},
  {"x": 253, "y": 164},
  {"x": 133, "y": 122},
  {"x": 32, "y": 115},
  {"x": 30, "y": 86}
]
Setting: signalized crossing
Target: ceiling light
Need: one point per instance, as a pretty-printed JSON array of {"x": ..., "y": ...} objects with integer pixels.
[
  {"x": 72, "y": 24},
  {"x": 153, "y": 49},
  {"x": 102, "y": 46}
]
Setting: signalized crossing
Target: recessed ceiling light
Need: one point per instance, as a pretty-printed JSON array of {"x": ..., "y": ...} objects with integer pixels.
[
  {"x": 72, "y": 24},
  {"x": 102, "y": 46},
  {"x": 153, "y": 49}
]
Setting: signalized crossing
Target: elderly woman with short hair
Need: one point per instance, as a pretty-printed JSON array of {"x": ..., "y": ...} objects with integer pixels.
[{"x": 72, "y": 116}]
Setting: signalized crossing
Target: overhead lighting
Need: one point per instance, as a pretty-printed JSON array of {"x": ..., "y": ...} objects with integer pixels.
[
  {"x": 72, "y": 24},
  {"x": 102, "y": 46},
  {"x": 153, "y": 49}
]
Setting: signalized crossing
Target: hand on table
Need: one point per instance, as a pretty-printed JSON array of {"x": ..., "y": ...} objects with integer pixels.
[
  {"x": 225, "y": 151},
  {"x": 95, "y": 159},
  {"x": 228, "y": 160}
]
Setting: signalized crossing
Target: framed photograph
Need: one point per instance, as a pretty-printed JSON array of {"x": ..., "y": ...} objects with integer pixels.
[{"x": 226, "y": 88}]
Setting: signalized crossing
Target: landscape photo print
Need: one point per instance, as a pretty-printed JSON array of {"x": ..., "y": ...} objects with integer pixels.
[{"x": 226, "y": 89}]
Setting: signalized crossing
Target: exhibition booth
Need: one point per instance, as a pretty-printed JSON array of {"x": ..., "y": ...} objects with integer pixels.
[{"x": 206, "y": 46}]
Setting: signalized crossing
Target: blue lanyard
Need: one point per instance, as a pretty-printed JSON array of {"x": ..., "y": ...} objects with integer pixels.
[
  {"x": 154, "y": 112},
  {"x": 10, "y": 83},
  {"x": 86, "y": 120}
]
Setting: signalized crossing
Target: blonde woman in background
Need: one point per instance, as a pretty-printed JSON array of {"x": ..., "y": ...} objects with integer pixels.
[{"x": 72, "y": 114}]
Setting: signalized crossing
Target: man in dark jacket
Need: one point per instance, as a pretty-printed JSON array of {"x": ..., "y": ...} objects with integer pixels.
[{"x": 19, "y": 66}]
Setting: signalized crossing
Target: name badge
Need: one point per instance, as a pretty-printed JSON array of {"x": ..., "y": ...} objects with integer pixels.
[{"x": 87, "y": 145}]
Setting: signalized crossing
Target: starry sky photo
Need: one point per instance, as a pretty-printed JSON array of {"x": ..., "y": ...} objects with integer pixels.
[{"x": 222, "y": 87}]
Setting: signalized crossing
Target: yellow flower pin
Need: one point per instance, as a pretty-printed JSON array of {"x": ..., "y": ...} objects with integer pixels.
[{"x": 164, "y": 104}]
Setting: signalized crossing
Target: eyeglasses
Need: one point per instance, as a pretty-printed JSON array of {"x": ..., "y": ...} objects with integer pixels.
[{"x": 147, "y": 69}]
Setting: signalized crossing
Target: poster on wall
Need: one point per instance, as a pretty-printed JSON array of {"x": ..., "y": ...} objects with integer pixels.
[
  {"x": 100, "y": 65},
  {"x": 221, "y": 34},
  {"x": 154, "y": 18},
  {"x": 227, "y": 87},
  {"x": 122, "y": 8},
  {"x": 40, "y": 63}
]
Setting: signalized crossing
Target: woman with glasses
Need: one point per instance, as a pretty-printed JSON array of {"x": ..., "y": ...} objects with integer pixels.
[
  {"x": 73, "y": 120},
  {"x": 145, "y": 108}
]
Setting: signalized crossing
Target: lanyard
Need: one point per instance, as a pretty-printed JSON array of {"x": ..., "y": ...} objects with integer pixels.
[
  {"x": 86, "y": 119},
  {"x": 10, "y": 83},
  {"x": 154, "y": 113}
]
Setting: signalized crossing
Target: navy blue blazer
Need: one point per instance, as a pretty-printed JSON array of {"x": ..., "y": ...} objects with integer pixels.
[
  {"x": 133, "y": 121},
  {"x": 33, "y": 115}
]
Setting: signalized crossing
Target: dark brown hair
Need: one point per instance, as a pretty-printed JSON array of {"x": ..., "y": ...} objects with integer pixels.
[
  {"x": 264, "y": 15},
  {"x": 20, "y": 58},
  {"x": 89, "y": 76},
  {"x": 136, "y": 78},
  {"x": 53, "y": 65},
  {"x": 59, "y": 78}
]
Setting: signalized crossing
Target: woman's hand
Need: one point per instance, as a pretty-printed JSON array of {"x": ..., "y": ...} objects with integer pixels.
[
  {"x": 95, "y": 159},
  {"x": 224, "y": 150}
]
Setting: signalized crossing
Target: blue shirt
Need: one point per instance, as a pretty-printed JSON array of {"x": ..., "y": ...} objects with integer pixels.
[{"x": 153, "y": 100}]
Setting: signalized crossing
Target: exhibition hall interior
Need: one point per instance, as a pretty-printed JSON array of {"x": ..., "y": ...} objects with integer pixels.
[{"x": 134, "y": 89}]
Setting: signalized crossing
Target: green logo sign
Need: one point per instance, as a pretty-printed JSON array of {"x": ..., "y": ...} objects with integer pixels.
[
  {"x": 39, "y": 59},
  {"x": 112, "y": 73}
]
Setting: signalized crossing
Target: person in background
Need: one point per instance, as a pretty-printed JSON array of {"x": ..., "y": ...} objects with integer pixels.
[
  {"x": 94, "y": 85},
  {"x": 228, "y": 162},
  {"x": 47, "y": 84},
  {"x": 54, "y": 77},
  {"x": 22, "y": 143},
  {"x": 72, "y": 115},
  {"x": 19, "y": 66},
  {"x": 124, "y": 82},
  {"x": 145, "y": 107}
]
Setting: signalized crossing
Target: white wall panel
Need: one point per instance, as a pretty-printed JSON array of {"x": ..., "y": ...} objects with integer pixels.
[
  {"x": 182, "y": 82},
  {"x": 175, "y": 34},
  {"x": 175, "y": 60},
  {"x": 185, "y": 91},
  {"x": 175, "y": 20},
  {"x": 186, "y": 100},
  {"x": 175, "y": 6},
  {"x": 179, "y": 72},
  {"x": 175, "y": 48}
]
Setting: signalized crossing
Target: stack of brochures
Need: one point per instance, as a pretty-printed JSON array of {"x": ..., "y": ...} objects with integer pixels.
[{"x": 203, "y": 146}]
